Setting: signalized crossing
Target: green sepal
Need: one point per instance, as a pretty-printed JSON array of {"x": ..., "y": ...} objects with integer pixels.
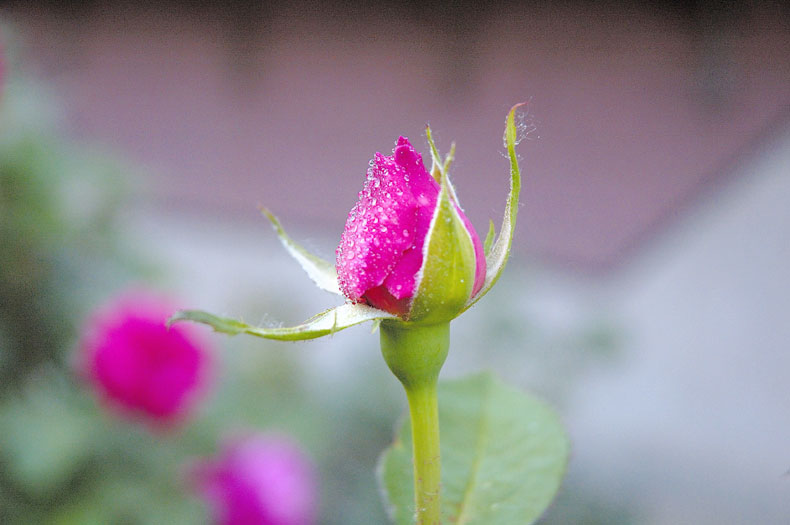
[
  {"x": 449, "y": 158},
  {"x": 321, "y": 272},
  {"x": 500, "y": 250},
  {"x": 489, "y": 238},
  {"x": 447, "y": 276},
  {"x": 325, "y": 323},
  {"x": 436, "y": 158},
  {"x": 439, "y": 166}
]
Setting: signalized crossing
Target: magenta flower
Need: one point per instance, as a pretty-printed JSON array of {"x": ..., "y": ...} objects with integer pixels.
[
  {"x": 138, "y": 365},
  {"x": 381, "y": 252},
  {"x": 258, "y": 480}
]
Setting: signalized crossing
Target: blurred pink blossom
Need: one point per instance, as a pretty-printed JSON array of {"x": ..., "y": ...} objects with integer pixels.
[
  {"x": 138, "y": 365},
  {"x": 380, "y": 255},
  {"x": 258, "y": 479}
]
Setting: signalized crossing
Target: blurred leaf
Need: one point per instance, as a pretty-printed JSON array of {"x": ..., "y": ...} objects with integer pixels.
[
  {"x": 46, "y": 435},
  {"x": 503, "y": 456}
]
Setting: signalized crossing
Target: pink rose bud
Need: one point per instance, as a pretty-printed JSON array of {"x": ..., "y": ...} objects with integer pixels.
[
  {"x": 384, "y": 250},
  {"x": 262, "y": 480},
  {"x": 138, "y": 365}
]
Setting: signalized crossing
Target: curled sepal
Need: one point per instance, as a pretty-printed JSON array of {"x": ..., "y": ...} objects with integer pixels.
[
  {"x": 448, "y": 273},
  {"x": 500, "y": 250},
  {"x": 321, "y": 272},
  {"x": 325, "y": 323}
]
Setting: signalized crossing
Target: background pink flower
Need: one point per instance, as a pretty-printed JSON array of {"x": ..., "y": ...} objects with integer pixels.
[
  {"x": 259, "y": 479},
  {"x": 139, "y": 365}
]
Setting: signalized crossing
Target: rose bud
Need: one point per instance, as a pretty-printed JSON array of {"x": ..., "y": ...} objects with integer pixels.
[
  {"x": 408, "y": 257},
  {"x": 407, "y": 247},
  {"x": 138, "y": 365}
]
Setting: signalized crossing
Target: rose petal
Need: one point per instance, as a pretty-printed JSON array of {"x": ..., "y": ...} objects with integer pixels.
[{"x": 389, "y": 221}]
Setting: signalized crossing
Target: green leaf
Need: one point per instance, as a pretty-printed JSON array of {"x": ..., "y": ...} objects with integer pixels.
[
  {"x": 503, "y": 456},
  {"x": 325, "y": 323},
  {"x": 448, "y": 273},
  {"x": 489, "y": 238},
  {"x": 321, "y": 272},
  {"x": 500, "y": 251}
]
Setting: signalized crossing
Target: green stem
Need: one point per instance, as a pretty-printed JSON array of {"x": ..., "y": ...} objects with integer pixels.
[
  {"x": 423, "y": 410},
  {"x": 415, "y": 354}
]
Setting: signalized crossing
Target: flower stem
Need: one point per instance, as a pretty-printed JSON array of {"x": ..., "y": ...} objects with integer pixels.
[
  {"x": 415, "y": 354},
  {"x": 423, "y": 410}
]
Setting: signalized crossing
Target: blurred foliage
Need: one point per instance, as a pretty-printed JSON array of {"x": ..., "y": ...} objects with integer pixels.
[{"x": 58, "y": 208}]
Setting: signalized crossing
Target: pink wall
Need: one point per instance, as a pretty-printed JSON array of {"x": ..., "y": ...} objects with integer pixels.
[{"x": 634, "y": 112}]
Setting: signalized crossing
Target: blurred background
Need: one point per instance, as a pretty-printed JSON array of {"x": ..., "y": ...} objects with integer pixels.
[{"x": 648, "y": 295}]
